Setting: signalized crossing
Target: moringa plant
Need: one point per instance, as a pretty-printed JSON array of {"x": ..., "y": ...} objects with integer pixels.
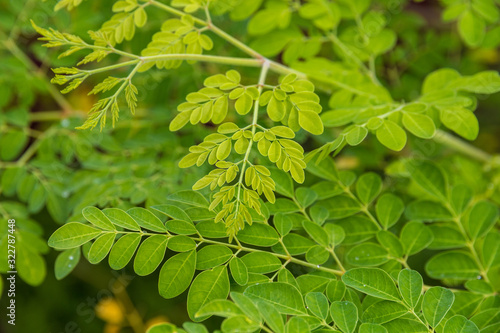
[{"x": 276, "y": 235}]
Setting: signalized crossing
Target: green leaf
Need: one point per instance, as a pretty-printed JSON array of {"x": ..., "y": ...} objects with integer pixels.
[
  {"x": 101, "y": 247},
  {"x": 97, "y": 218},
  {"x": 317, "y": 233},
  {"x": 305, "y": 196},
  {"x": 282, "y": 224},
  {"x": 491, "y": 250},
  {"x": 261, "y": 262},
  {"x": 123, "y": 250},
  {"x": 419, "y": 125},
  {"x": 181, "y": 227},
  {"x": 121, "y": 218},
  {"x": 383, "y": 312},
  {"x": 367, "y": 254},
  {"x": 406, "y": 325},
  {"x": 284, "y": 297},
  {"x": 66, "y": 261},
  {"x": 356, "y": 135},
  {"x": 181, "y": 243},
  {"x": 162, "y": 328},
  {"x": 460, "y": 324},
  {"x": 146, "y": 219},
  {"x": 429, "y": 177},
  {"x": 446, "y": 236},
  {"x": 212, "y": 255},
  {"x": 221, "y": 308},
  {"x": 461, "y": 121},
  {"x": 272, "y": 317},
  {"x": 345, "y": 316},
  {"x": 410, "y": 285},
  {"x": 372, "y": 328},
  {"x": 189, "y": 197},
  {"x": 72, "y": 235},
  {"x": 246, "y": 305},
  {"x": 368, "y": 187},
  {"x": 437, "y": 302},
  {"x": 284, "y": 183},
  {"x": 335, "y": 290},
  {"x": 415, "y": 237},
  {"x": 150, "y": 254},
  {"x": 390, "y": 242},
  {"x": 317, "y": 303},
  {"x": 452, "y": 265},
  {"x": 317, "y": 255},
  {"x": 173, "y": 212},
  {"x": 425, "y": 210},
  {"x": 472, "y": 28},
  {"x": 357, "y": 229},
  {"x": 311, "y": 122},
  {"x": 258, "y": 234},
  {"x": 297, "y": 324},
  {"x": 340, "y": 206},
  {"x": 372, "y": 281},
  {"x": 239, "y": 271},
  {"x": 206, "y": 287},
  {"x": 176, "y": 274},
  {"x": 391, "y": 135},
  {"x": 481, "y": 218}
]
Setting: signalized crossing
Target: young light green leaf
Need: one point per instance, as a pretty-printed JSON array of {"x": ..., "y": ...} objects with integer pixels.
[
  {"x": 419, "y": 125},
  {"x": 391, "y": 135}
]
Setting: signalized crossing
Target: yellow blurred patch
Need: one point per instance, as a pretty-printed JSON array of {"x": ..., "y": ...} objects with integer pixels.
[{"x": 110, "y": 311}]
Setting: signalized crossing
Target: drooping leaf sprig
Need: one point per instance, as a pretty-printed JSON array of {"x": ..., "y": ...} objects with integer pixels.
[{"x": 241, "y": 182}]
